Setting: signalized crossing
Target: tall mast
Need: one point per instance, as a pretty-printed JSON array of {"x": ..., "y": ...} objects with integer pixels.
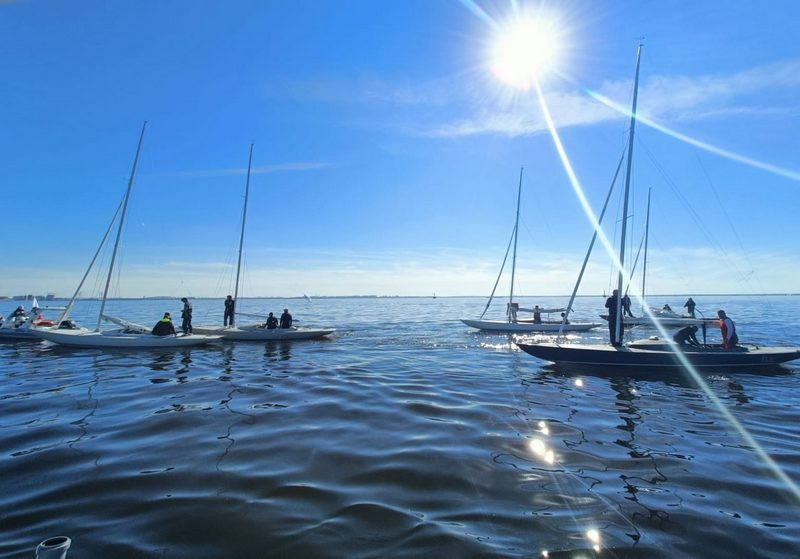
[
  {"x": 514, "y": 255},
  {"x": 646, "y": 237},
  {"x": 618, "y": 333},
  {"x": 244, "y": 219},
  {"x": 121, "y": 223}
]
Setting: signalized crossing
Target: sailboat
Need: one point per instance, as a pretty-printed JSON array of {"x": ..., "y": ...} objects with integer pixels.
[
  {"x": 665, "y": 316},
  {"x": 258, "y": 332},
  {"x": 20, "y": 326},
  {"x": 653, "y": 352},
  {"x": 130, "y": 336},
  {"x": 514, "y": 323}
]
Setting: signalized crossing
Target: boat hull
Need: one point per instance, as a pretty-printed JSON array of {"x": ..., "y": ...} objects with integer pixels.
[
  {"x": 117, "y": 339},
  {"x": 522, "y": 327},
  {"x": 256, "y": 333},
  {"x": 665, "y": 321},
  {"x": 659, "y": 354}
]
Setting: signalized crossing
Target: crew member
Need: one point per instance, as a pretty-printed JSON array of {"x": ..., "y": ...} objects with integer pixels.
[
  {"x": 230, "y": 310},
  {"x": 164, "y": 327},
  {"x": 286, "y": 319},
  {"x": 686, "y": 335},
  {"x": 626, "y": 306},
  {"x": 272, "y": 322},
  {"x": 611, "y": 305},
  {"x": 689, "y": 304},
  {"x": 186, "y": 315},
  {"x": 728, "y": 329}
]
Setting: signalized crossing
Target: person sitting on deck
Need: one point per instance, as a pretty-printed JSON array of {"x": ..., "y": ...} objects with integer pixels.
[
  {"x": 564, "y": 318},
  {"x": 271, "y": 323},
  {"x": 686, "y": 335},
  {"x": 164, "y": 327},
  {"x": 666, "y": 307},
  {"x": 728, "y": 328},
  {"x": 286, "y": 319}
]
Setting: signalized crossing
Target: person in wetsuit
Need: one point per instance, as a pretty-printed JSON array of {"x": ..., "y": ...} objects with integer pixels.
[
  {"x": 271, "y": 323},
  {"x": 611, "y": 305},
  {"x": 690, "y": 305},
  {"x": 286, "y": 319},
  {"x": 626, "y": 306},
  {"x": 230, "y": 311},
  {"x": 686, "y": 335},
  {"x": 164, "y": 327},
  {"x": 186, "y": 315}
]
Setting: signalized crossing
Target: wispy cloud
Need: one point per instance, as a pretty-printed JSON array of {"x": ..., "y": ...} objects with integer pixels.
[
  {"x": 662, "y": 97},
  {"x": 260, "y": 170},
  {"x": 474, "y": 111}
]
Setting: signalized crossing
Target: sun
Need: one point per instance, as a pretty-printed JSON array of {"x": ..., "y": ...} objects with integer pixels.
[{"x": 525, "y": 50}]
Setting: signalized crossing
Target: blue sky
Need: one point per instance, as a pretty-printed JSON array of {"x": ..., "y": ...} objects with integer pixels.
[{"x": 386, "y": 152}]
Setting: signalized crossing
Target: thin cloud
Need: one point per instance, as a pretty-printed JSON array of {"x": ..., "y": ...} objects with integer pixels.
[
  {"x": 673, "y": 97},
  {"x": 260, "y": 170}
]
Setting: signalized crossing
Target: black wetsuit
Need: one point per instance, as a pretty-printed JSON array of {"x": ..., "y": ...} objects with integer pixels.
[
  {"x": 230, "y": 310},
  {"x": 611, "y": 305},
  {"x": 286, "y": 320},
  {"x": 163, "y": 328},
  {"x": 686, "y": 336},
  {"x": 626, "y": 306},
  {"x": 186, "y": 315},
  {"x": 272, "y": 323}
]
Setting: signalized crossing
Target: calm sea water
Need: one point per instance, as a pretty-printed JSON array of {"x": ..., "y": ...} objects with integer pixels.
[{"x": 405, "y": 435}]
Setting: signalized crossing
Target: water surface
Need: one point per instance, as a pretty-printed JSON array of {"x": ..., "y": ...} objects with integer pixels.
[{"x": 407, "y": 434}]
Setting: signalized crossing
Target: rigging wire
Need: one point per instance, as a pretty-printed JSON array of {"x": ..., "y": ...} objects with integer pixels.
[{"x": 699, "y": 222}]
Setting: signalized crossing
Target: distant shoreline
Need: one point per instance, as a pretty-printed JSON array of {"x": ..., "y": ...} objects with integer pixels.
[{"x": 178, "y": 297}]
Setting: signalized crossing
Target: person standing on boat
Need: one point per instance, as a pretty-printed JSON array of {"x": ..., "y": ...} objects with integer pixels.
[
  {"x": 286, "y": 319},
  {"x": 728, "y": 328},
  {"x": 686, "y": 335},
  {"x": 164, "y": 327},
  {"x": 611, "y": 305},
  {"x": 230, "y": 311},
  {"x": 186, "y": 315},
  {"x": 272, "y": 322},
  {"x": 537, "y": 315},
  {"x": 689, "y": 304},
  {"x": 626, "y": 306}
]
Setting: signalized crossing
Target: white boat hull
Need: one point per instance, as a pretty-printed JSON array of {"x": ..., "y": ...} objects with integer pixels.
[
  {"x": 521, "y": 327},
  {"x": 257, "y": 333},
  {"x": 117, "y": 339},
  {"x": 668, "y": 321}
]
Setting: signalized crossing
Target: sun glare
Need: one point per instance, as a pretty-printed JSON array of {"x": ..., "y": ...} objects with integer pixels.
[{"x": 525, "y": 50}]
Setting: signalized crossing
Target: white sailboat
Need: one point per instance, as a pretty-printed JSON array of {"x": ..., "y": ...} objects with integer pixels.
[
  {"x": 665, "y": 316},
  {"x": 652, "y": 352},
  {"x": 514, "y": 323},
  {"x": 258, "y": 331},
  {"x": 127, "y": 337}
]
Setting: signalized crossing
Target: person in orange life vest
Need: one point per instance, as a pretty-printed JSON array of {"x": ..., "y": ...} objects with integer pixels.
[{"x": 728, "y": 328}]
